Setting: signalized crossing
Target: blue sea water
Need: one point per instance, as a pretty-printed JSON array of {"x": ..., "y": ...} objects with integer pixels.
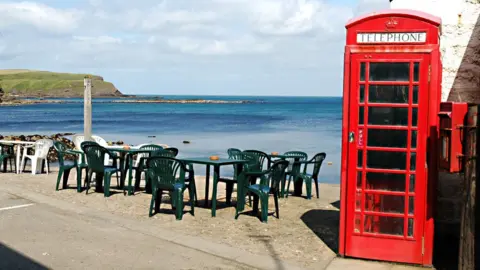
[{"x": 276, "y": 124}]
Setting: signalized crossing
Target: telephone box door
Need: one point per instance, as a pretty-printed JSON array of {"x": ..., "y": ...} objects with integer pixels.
[{"x": 386, "y": 189}]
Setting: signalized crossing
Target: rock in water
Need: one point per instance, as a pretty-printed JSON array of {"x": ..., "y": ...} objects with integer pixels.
[{"x": 186, "y": 142}]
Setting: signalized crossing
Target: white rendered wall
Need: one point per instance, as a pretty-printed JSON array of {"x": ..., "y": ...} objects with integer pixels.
[{"x": 460, "y": 50}]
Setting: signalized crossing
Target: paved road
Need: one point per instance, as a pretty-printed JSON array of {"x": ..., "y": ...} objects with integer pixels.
[{"x": 39, "y": 236}]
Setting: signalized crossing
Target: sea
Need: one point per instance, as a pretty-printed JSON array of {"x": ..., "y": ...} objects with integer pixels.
[{"x": 269, "y": 124}]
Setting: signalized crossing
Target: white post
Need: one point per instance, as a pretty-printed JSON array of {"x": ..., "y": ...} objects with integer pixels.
[{"x": 87, "y": 109}]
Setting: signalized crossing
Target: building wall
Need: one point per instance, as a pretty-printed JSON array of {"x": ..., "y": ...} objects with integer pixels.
[{"x": 460, "y": 44}]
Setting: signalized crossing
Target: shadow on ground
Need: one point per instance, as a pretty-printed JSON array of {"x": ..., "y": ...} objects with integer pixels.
[
  {"x": 267, "y": 241},
  {"x": 11, "y": 259},
  {"x": 324, "y": 223}
]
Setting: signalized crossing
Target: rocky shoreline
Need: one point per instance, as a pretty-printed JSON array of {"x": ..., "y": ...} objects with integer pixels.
[
  {"x": 52, "y": 154},
  {"x": 19, "y": 102}
]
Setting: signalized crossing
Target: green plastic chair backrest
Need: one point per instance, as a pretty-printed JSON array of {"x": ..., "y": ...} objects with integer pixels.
[
  {"x": 173, "y": 150},
  {"x": 151, "y": 147},
  {"x": 277, "y": 173},
  {"x": 291, "y": 156},
  {"x": 60, "y": 148},
  {"x": 166, "y": 171},
  {"x": 252, "y": 164},
  {"x": 95, "y": 156},
  {"x": 162, "y": 153},
  {"x": 261, "y": 156},
  {"x": 85, "y": 143},
  {"x": 233, "y": 151},
  {"x": 318, "y": 160},
  {"x": 6, "y": 149}
]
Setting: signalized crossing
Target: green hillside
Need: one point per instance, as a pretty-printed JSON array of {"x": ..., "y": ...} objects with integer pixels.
[{"x": 31, "y": 83}]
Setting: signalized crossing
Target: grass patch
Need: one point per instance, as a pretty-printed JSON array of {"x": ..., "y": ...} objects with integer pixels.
[{"x": 31, "y": 83}]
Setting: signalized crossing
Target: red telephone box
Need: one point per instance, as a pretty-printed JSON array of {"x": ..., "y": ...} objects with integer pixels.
[{"x": 391, "y": 101}]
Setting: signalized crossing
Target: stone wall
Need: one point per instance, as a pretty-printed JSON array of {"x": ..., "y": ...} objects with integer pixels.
[{"x": 460, "y": 44}]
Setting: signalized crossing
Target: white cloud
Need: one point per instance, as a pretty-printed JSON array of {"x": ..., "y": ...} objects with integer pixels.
[
  {"x": 245, "y": 44},
  {"x": 207, "y": 39},
  {"x": 100, "y": 40},
  {"x": 40, "y": 16}
]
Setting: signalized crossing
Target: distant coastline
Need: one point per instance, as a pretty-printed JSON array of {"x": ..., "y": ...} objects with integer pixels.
[{"x": 125, "y": 99}]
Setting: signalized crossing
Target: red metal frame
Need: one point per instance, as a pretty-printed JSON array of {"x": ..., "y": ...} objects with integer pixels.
[
  {"x": 372, "y": 245},
  {"x": 452, "y": 118}
]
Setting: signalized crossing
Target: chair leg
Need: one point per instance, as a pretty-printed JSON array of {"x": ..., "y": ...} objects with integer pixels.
[
  {"x": 34, "y": 166},
  {"x": 158, "y": 200},
  {"x": 264, "y": 206},
  {"x": 60, "y": 173},
  {"x": 65, "y": 178},
  {"x": 79, "y": 179},
  {"x": 11, "y": 166},
  {"x": 106, "y": 184},
  {"x": 275, "y": 199},
  {"x": 255, "y": 204},
  {"x": 192, "y": 187},
  {"x": 152, "y": 204},
  {"x": 229, "y": 191},
  {"x": 12, "y": 160},
  {"x": 23, "y": 164},
  {"x": 47, "y": 166},
  {"x": 191, "y": 194},
  {"x": 308, "y": 184},
  {"x": 138, "y": 178},
  {"x": 179, "y": 204},
  {"x": 316, "y": 186},
  {"x": 288, "y": 186},
  {"x": 118, "y": 179},
  {"x": 89, "y": 179},
  {"x": 4, "y": 162}
]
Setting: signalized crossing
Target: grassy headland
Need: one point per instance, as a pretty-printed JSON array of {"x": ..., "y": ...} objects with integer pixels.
[{"x": 33, "y": 83}]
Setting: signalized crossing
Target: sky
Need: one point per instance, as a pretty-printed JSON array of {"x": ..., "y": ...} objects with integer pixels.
[{"x": 195, "y": 47}]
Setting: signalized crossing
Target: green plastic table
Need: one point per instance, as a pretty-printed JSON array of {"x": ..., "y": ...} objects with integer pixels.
[{"x": 216, "y": 164}]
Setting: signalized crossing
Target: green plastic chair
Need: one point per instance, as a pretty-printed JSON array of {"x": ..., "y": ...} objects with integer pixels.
[
  {"x": 66, "y": 166},
  {"x": 168, "y": 174},
  {"x": 141, "y": 159},
  {"x": 233, "y": 151},
  {"x": 269, "y": 184},
  {"x": 173, "y": 150},
  {"x": 294, "y": 169},
  {"x": 96, "y": 164},
  {"x": 7, "y": 154},
  {"x": 261, "y": 156},
  {"x": 317, "y": 160},
  {"x": 142, "y": 167}
]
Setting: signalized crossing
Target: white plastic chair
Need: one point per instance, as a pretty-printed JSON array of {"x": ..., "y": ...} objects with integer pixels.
[
  {"x": 41, "y": 154},
  {"x": 78, "y": 139},
  {"x": 140, "y": 156}
]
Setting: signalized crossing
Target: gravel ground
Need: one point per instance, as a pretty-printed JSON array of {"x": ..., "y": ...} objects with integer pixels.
[{"x": 306, "y": 232}]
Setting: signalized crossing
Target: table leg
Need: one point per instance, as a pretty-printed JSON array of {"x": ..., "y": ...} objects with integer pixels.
[
  {"x": 207, "y": 185},
  {"x": 122, "y": 171},
  {"x": 99, "y": 182},
  {"x": 282, "y": 186},
  {"x": 216, "y": 172},
  {"x": 19, "y": 149},
  {"x": 130, "y": 166},
  {"x": 297, "y": 187}
]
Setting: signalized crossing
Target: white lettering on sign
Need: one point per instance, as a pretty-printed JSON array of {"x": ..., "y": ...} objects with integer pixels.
[{"x": 415, "y": 37}]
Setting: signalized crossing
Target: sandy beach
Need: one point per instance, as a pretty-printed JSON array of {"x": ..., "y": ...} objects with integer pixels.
[{"x": 306, "y": 232}]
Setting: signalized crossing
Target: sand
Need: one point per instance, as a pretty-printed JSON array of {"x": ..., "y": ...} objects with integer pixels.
[{"x": 306, "y": 232}]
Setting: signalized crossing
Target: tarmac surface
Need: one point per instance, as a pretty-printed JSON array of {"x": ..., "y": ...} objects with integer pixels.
[{"x": 41, "y": 232}]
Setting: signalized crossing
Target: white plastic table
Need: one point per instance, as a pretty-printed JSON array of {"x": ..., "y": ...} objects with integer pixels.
[{"x": 19, "y": 145}]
